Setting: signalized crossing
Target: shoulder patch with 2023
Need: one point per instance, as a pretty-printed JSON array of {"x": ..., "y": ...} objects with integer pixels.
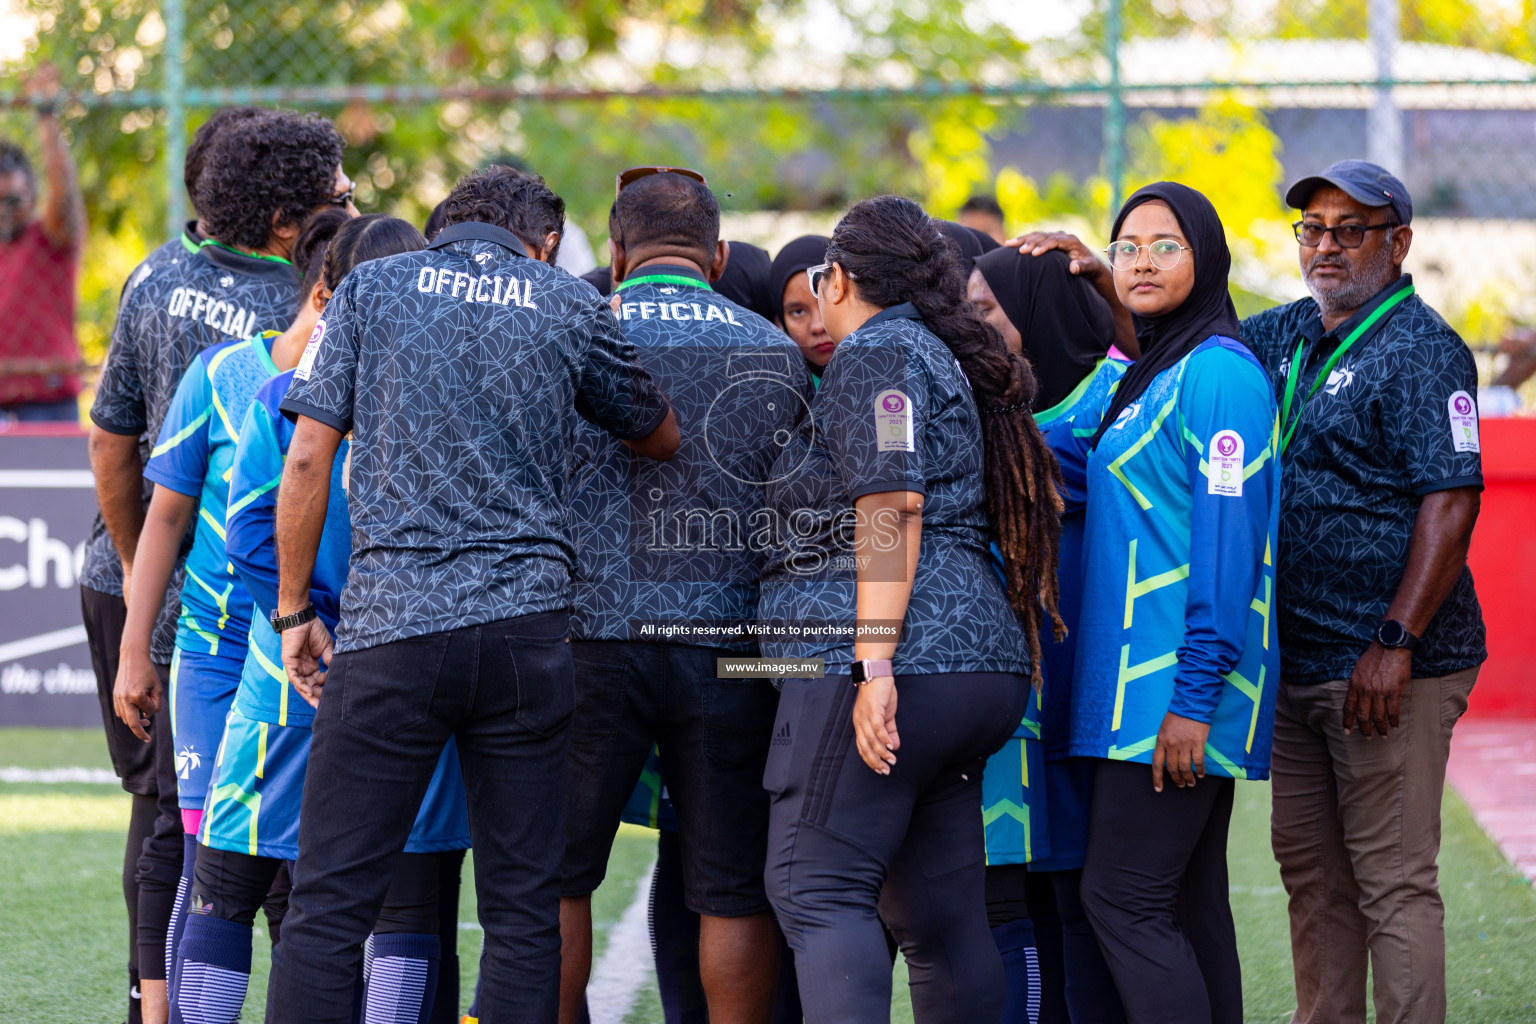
[
  {"x": 1463, "y": 412},
  {"x": 893, "y": 422},
  {"x": 1224, "y": 455},
  {"x": 311, "y": 350}
]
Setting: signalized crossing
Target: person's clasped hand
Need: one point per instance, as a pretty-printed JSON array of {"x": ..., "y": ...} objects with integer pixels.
[
  {"x": 874, "y": 724},
  {"x": 307, "y": 651},
  {"x": 1180, "y": 751},
  {"x": 136, "y": 694}
]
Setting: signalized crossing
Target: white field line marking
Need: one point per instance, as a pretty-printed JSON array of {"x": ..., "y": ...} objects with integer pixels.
[
  {"x": 74, "y": 478},
  {"x": 626, "y": 964},
  {"x": 95, "y": 776},
  {"x": 42, "y": 643}
]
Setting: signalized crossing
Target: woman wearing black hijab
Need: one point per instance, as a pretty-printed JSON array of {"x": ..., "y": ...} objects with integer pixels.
[
  {"x": 1063, "y": 326},
  {"x": 1177, "y": 656},
  {"x": 798, "y": 314}
]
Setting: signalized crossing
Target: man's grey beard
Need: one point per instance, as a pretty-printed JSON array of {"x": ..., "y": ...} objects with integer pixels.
[{"x": 1356, "y": 290}]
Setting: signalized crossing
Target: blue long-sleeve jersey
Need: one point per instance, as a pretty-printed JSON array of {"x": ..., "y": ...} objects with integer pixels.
[
  {"x": 265, "y": 695},
  {"x": 1182, "y": 497}
]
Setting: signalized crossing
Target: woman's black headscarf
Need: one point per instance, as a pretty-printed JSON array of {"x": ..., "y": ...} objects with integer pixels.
[
  {"x": 1208, "y": 310},
  {"x": 1066, "y": 325},
  {"x": 745, "y": 281},
  {"x": 803, "y": 253}
]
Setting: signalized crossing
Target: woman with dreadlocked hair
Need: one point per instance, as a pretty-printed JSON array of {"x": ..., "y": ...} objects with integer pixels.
[{"x": 919, "y": 431}]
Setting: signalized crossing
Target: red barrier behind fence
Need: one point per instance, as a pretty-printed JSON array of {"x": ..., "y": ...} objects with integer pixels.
[{"x": 1503, "y": 562}]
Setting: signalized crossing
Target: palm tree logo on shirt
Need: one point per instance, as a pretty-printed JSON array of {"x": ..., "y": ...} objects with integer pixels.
[
  {"x": 187, "y": 762},
  {"x": 1340, "y": 378}
]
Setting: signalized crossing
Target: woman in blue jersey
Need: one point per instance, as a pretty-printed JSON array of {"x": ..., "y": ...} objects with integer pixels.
[
  {"x": 189, "y": 467},
  {"x": 1177, "y": 655},
  {"x": 1035, "y": 798},
  {"x": 250, "y": 826},
  {"x": 886, "y": 498}
]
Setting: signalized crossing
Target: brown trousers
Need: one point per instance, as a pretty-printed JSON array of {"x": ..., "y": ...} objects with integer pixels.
[{"x": 1356, "y": 829}]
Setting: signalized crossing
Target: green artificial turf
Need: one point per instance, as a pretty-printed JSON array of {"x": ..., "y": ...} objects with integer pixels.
[{"x": 63, "y": 929}]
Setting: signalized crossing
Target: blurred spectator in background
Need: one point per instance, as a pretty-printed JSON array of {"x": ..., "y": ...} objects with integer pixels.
[
  {"x": 1502, "y": 396},
  {"x": 983, "y": 214},
  {"x": 39, "y": 360}
]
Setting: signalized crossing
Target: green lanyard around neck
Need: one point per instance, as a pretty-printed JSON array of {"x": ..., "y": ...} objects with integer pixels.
[
  {"x": 1294, "y": 373},
  {"x": 248, "y": 255},
  {"x": 645, "y": 278}
]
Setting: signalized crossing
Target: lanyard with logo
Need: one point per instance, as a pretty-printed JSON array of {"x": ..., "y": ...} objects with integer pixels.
[
  {"x": 1294, "y": 373},
  {"x": 644, "y": 278}
]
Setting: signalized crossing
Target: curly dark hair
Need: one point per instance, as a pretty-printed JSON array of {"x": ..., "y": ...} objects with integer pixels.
[
  {"x": 273, "y": 163},
  {"x": 206, "y": 132},
  {"x": 895, "y": 253},
  {"x": 13, "y": 158},
  {"x": 508, "y": 198}
]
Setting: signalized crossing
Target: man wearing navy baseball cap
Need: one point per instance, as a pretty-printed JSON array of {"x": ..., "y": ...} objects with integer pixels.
[{"x": 1381, "y": 635}]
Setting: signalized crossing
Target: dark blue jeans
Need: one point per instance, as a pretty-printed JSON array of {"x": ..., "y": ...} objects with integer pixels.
[{"x": 504, "y": 690}]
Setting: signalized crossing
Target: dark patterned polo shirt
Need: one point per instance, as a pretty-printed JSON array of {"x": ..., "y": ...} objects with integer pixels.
[
  {"x": 894, "y": 413},
  {"x": 461, "y": 370},
  {"x": 1395, "y": 420},
  {"x": 672, "y": 551},
  {"x": 187, "y": 295}
]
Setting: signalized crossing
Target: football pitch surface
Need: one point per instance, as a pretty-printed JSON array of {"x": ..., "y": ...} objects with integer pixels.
[{"x": 63, "y": 927}]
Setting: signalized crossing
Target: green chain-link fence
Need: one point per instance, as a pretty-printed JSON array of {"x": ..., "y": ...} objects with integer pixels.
[{"x": 1057, "y": 109}]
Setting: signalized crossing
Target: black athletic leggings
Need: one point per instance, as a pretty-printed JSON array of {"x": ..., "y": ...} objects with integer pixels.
[
  {"x": 1155, "y": 887},
  {"x": 844, "y": 843}
]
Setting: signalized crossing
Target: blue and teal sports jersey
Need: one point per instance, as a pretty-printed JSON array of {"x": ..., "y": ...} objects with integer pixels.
[
  {"x": 1086, "y": 402},
  {"x": 649, "y": 805},
  {"x": 255, "y": 800},
  {"x": 265, "y": 693},
  {"x": 194, "y": 456},
  {"x": 1183, "y": 504},
  {"x": 1013, "y": 804}
]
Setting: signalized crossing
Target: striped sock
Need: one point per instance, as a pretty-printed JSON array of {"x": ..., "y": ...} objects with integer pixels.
[
  {"x": 179, "y": 920},
  {"x": 402, "y": 979},
  {"x": 1021, "y": 969},
  {"x": 215, "y": 969}
]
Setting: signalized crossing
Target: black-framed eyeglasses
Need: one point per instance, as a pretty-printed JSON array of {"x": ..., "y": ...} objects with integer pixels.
[
  {"x": 1165, "y": 254},
  {"x": 1348, "y": 236},
  {"x": 13, "y": 201},
  {"x": 628, "y": 177},
  {"x": 344, "y": 199}
]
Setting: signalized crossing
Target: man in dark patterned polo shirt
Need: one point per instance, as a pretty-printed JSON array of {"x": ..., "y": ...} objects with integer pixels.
[
  {"x": 460, "y": 371},
  {"x": 1381, "y": 635},
  {"x": 666, "y": 582}
]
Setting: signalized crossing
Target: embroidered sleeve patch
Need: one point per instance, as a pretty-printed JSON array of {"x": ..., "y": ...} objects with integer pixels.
[
  {"x": 1463, "y": 412},
  {"x": 893, "y": 422},
  {"x": 311, "y": 350},
  {"x": 1225, "y": 457}
]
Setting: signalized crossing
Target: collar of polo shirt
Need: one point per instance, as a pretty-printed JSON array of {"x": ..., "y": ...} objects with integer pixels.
[{"x": 477, "y": 231}]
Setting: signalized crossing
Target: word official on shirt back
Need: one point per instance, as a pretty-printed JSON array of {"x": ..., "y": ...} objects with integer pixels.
[{"x": 511, "y": 291}]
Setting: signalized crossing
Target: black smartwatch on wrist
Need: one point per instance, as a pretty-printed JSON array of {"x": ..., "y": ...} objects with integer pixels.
[
  {"x": 1392, "y": 635},
  {"x": 281, "y": 623}
]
